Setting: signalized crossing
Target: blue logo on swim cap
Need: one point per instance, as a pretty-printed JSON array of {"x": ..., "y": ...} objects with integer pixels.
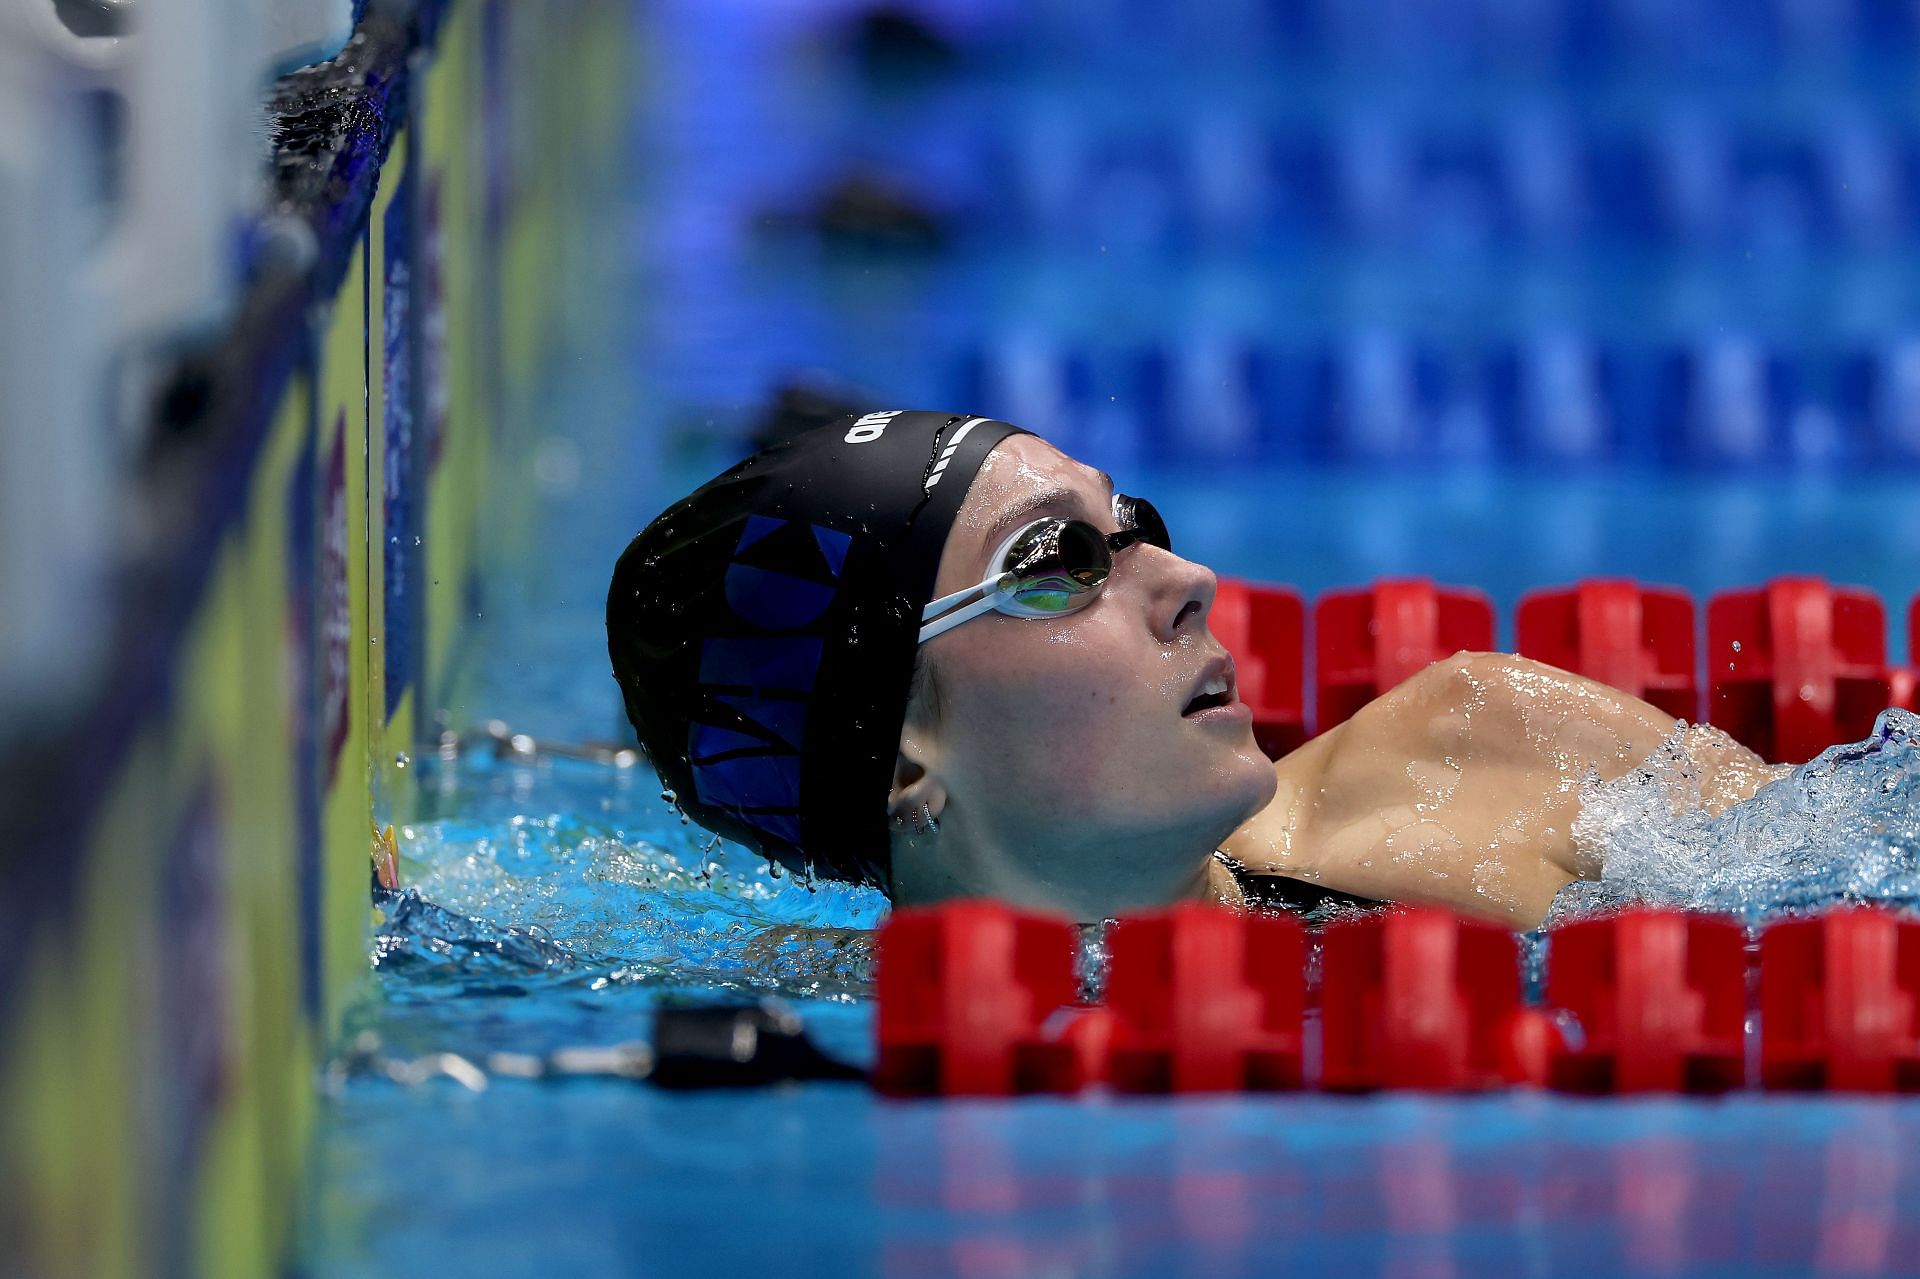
[{"x": 780, "y": 584}]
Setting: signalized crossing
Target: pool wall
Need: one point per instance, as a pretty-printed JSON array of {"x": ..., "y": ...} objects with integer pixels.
[{"x": 185, "y": 911}]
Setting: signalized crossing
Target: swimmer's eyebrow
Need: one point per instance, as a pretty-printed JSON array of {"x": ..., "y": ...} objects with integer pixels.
[{"x": 1031, "y": 505}]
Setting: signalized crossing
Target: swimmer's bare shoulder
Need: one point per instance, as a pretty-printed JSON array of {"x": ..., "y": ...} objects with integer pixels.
[{"x": 1459, "y": 787}]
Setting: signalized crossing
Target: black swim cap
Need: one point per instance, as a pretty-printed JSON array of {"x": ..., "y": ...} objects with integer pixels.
[{"x": 763, "y": 631}]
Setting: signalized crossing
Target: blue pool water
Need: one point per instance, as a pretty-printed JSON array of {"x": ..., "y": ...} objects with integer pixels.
[{"x": 554, "y": 903}]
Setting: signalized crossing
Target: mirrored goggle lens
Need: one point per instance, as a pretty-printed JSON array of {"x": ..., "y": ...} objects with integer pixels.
[
  {"x": 1053, "y": 566},
  {"x": 1139, "y": 514}
]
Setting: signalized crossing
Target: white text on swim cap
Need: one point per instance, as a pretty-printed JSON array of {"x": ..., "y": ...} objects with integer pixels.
[{"x": 871, "y": 427}]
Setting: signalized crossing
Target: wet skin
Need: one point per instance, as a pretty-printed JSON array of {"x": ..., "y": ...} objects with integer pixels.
[
  {"x": 1066, "y": 777},
  {"x": 1061, "y": 769},
  {"x": 1459, "y": 787}
]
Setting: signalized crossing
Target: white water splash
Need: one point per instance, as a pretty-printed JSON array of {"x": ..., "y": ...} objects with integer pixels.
[{"x": 1843, "y": 827}]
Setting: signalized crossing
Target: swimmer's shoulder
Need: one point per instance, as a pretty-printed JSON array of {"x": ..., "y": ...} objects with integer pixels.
[
  {"x": 1274, "y": 841},
  {"x": 1335, "y": 778}
]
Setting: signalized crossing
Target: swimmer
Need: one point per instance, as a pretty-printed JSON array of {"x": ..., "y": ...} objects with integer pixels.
[{"x": 935, "y": 654}]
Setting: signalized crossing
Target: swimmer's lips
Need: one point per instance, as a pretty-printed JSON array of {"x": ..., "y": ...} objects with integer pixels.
[{"x": 1215, "y": 694}]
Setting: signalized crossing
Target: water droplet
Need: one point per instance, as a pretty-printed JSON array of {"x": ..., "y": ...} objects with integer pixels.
[
  {"x": 1736, "y": 646},
  {"x": 400, "y": 760}
]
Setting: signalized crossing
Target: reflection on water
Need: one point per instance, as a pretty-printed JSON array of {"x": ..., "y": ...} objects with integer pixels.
[
  {"x": 1420, "y": 1195},
  {"x": 1654, "y": 1181},
  {"x": 1398, "y": 1186},
  {"x": 1861, "y": 1174}
]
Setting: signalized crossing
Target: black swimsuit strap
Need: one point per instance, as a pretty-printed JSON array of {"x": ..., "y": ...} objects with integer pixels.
[{"x": 1297, "y": 896}]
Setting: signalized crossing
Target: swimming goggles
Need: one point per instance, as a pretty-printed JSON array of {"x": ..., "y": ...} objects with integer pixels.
[{"x": 1049, "y": 568}]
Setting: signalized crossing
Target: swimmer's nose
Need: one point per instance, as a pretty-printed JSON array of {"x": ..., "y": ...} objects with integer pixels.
[{"x": 1183, "y": 595}]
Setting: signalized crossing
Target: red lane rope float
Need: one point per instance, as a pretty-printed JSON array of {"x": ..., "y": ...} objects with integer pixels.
[
  {"x": 1796, "y": 665},
  {"x": 975, "y": 998},
  {"x": 1838, "y": 997},
  {"x": 1639, "y": 639},
  {"x": 965, "y": 993},
  {"x": 1904, "y": 682},
  {"x": 1264, "y": 627},
  {"x": 1206, "y": 1000},
  {"x": 1423, "y": 999},
  {"x": 1367, "y": 641},
  {"x": 1660, "y": 998}
]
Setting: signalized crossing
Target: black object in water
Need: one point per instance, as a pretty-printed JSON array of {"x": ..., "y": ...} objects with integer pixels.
[{"x": 737, "y": 1046}]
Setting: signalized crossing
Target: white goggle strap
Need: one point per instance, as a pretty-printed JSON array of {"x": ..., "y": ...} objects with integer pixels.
[{"x": 987, "y": 593}]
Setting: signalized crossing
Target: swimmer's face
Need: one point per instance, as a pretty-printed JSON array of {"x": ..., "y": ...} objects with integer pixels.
[{"x": 1064, "y": 771}]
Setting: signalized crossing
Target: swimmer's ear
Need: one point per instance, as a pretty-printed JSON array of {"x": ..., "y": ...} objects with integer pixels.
[{"x": 916, "y": 782}]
